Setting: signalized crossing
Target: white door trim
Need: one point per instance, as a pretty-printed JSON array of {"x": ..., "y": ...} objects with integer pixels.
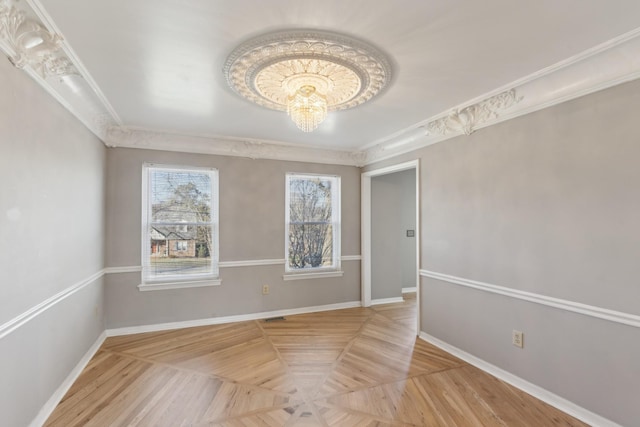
[{"x": 366, "y": 229}]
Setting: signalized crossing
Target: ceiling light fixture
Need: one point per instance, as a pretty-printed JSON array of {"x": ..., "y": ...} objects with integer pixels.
[{"x": 307, "y": 73}]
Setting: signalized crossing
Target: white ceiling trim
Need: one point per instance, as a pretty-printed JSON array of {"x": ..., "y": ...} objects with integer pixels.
[
  {"x": 253, "y": 149},
  {"x": 21, "y": 25},
  {"x": 608, "y": 64},
  {"x": 603, "y": 66},
  {"x": 48, "y": 23}
]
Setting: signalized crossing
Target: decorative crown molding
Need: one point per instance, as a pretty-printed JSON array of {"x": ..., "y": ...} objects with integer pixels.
[
  {"x": 33, "y": 46},
  {"x": 466, "y": 120},
  {"x": 608, "y": 64},
  {"x": 30, "y": 40},
  {"x": 28, "y": 43}
]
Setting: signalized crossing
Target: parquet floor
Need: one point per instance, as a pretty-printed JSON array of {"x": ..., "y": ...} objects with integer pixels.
[{"x": 353, "y": 367}]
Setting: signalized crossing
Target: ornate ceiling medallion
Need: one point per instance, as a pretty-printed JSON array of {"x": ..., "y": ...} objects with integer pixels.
[{"x": 307, "y": 73}]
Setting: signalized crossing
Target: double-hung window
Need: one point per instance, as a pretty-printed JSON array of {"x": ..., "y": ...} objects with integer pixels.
[
  {"x": 179, "y": 227},
  {"x": 312, "y": 224}
]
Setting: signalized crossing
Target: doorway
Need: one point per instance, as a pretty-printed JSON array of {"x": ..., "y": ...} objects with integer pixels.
[{"x": 371, "y": 236}]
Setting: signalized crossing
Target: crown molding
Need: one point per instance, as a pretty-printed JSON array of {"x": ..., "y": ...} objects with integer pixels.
[
  {"x": 33, "y": 43},
  {"x": 28, "y": 43},
  {"x": 117, "y": 136},
  {"x": 608, "y": 64}
]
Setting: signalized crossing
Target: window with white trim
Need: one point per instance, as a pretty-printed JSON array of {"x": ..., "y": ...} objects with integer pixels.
[
  {"x": 179, "y": 226},
  {"x": 312, "y": 223}
]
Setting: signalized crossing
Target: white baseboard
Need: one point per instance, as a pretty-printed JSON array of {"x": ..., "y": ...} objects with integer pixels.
[
  {"x": 386, "y": 300},
  {"x": 228, "y": 319},
  {"x": 409, "y": 290},
  {"x": 57, "y": 396},
  {"x": 536, "y": 391},
  {"x": 48, "y": 408}
]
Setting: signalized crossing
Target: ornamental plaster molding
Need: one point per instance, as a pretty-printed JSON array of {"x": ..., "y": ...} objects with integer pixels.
[
  {"x": 466, "y": 120},
  {"x": 31, "y": 41},
  {"x": 458, "y": 121},
  {"x": 33, "y": 45},
  {"x": 29, "y": 44},
  {"x": 261, "y": 68},
  {"x": 608, "y": 64}
]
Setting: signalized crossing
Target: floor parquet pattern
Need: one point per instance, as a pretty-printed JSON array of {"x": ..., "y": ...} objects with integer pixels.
[{"x": 354, "y": 367}]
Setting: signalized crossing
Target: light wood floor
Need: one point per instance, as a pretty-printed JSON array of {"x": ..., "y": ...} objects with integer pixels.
[{"x": 354, "y": 367}]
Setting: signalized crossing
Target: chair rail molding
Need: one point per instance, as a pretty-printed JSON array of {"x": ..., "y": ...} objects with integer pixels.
[
  {"x": 13, "y": 324},
  {"x": 572, "y": 306},
  {"x": 225, "y": 264}
]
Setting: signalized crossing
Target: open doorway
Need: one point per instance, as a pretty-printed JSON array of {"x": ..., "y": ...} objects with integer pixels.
[{"x": 384, "y": 242}]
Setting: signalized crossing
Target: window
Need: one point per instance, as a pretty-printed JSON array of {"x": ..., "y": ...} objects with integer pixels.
[
  {"x": 312, "y": 223},
  {"x": 180, "y": 227}
]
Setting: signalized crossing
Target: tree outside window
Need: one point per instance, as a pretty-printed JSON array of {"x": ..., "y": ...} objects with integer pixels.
[
  {"x": 180, "y": 218},
  {"x": 312, "y": 222}
]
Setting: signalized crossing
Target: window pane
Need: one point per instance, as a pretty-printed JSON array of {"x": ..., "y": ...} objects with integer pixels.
[
  {"x": 313, "y": 222},
  {"x": 178, "y": 250},
  {"x": 309, "y": 200},
  {"x": 310, "y": 245},
  {"x": 180, "y": 196}
]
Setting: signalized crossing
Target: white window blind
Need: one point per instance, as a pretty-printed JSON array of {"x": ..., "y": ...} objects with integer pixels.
[
  {"x": 180, "y": 224},
  {"x": 312, "y": 222}
]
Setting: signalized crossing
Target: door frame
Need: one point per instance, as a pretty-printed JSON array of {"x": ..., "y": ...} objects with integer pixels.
[{"x": 365, "y": 221}]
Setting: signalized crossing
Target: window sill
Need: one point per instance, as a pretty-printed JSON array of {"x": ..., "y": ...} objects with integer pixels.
[
  {"x": 161, "y": 286},
  {"x": 315, "y": 275}
]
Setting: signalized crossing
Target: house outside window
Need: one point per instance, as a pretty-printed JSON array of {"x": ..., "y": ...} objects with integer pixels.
[
  {"x": 312, "y": 223},
  {"x": 179, "y": 227}
]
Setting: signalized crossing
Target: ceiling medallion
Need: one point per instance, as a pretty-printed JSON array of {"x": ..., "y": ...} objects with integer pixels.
[{"x": 307, "y": 73}]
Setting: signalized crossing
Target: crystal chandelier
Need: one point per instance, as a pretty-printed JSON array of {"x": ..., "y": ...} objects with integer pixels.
[
  {"x": 307, "y": 108},
  {"x": 307, "y": 73}
]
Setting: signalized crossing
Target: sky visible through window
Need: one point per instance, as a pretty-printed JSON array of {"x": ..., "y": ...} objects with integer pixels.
[{"x": 165, "y": 182}]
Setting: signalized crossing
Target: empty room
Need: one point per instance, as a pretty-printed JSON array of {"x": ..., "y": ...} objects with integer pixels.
[{"x": 299, "y": 213}]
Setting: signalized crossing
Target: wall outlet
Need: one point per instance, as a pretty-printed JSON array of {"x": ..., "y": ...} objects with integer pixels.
[
  {"x": 517, "y": 338},
  {"x": 265, "y": 289}
]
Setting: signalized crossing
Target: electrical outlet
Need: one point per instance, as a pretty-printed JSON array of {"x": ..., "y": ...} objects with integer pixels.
[
  {"x": 265, "y": 289},
  {"x": 517, "y": 338}
]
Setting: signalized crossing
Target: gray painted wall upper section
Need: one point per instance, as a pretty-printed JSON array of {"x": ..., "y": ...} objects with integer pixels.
[
  {"x": 52, "y": 179},
  {"x": 252, "y": 209},
  {"x": 51, "y": 203},
  {"x": 393, "y": 254},
  {"x": 251, "y": 203},
  {"x": 545, "y": 203}
]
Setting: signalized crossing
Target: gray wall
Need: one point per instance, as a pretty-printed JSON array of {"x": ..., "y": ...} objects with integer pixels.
[
  {"x": 251, "y": 228},
  {"x": 393, "y": 254},
  {"x": 52, "y": 175},
  {"x": 546, "y": 203}
]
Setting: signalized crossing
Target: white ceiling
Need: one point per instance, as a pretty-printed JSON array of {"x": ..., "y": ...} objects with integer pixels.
[{"x": 159, "y": 63}]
